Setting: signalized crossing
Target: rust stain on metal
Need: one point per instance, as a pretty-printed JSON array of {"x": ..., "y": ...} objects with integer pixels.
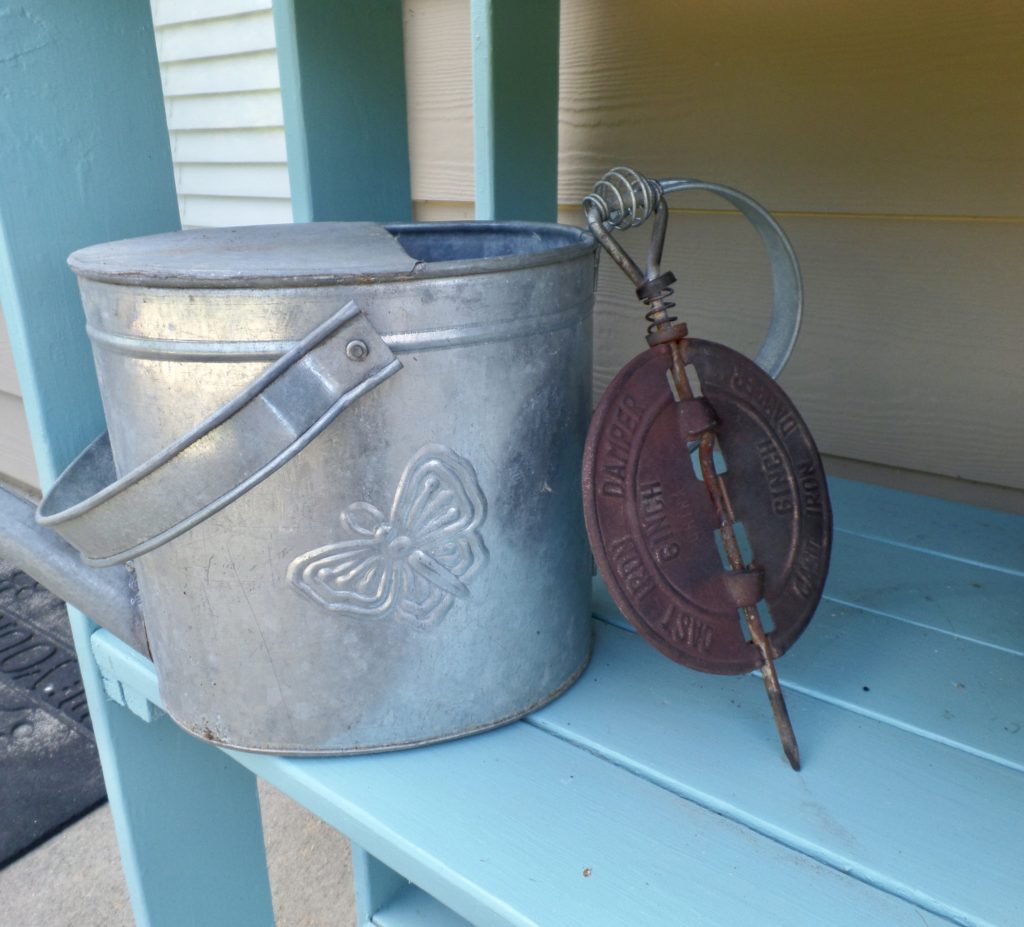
[{"x": 653, "y": 520}]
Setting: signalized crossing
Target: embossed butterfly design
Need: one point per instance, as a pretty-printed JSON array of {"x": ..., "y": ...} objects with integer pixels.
[{"x": 412, "y": 564}]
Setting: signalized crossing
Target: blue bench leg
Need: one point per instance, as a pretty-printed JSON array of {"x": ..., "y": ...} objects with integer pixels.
[
  {"x": 187, "y": 816},
  {"x": 375, "y": 885}
]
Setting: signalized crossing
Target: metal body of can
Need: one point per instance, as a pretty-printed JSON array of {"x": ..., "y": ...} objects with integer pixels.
[{"x": 420, "y": 569}]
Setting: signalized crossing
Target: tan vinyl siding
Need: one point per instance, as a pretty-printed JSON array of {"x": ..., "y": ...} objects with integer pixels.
[
  {"x": 909, "y": 355},
  {"x": 8, "y": 377},
  {"x": 439, "y": 75},
  {"x": 845, "y": 107},
  {"x": 17, "y": 464}
]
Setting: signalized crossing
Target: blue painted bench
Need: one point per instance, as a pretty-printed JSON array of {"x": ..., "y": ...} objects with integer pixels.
[
  {"x": 648, "y": 794},
  {"x": 651, "y": 794}
]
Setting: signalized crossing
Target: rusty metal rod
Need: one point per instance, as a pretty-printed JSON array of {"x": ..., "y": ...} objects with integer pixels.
[{"x": 734, "y": 556}]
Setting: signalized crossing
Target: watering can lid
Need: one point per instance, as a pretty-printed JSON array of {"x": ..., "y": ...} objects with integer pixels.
[{"x": 258, "y": 255}]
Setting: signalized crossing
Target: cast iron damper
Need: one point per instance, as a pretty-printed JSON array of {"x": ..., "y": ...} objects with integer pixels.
[{"x": 704, "y": 493}]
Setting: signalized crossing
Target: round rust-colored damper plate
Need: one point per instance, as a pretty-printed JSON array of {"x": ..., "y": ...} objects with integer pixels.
[{"x": 652, "y": 523}]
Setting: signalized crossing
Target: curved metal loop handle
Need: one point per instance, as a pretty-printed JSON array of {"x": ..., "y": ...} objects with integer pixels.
[
  {"x": 111, "y": 520},
  {"x": 787, "y": 284},
  {"x": 624, "y": 198}
]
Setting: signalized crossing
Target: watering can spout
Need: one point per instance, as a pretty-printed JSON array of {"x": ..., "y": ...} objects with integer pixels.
[{"x": 108, "y": 596}]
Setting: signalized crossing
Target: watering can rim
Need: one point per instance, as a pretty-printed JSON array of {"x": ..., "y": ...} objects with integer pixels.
[{"x": 129, "y": 262}]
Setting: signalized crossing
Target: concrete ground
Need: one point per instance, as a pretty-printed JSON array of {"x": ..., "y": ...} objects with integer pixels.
[{"x": 75, "y": 879}]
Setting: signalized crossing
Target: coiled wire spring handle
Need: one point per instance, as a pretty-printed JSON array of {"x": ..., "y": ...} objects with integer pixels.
[{"x": 625, "y": 198}]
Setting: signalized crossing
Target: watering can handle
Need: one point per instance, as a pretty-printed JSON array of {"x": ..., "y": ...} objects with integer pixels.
[
  {"x": 112, "y": 520},
  {"x": 787, "y": 285},
  {"x": 624, "y": 198}
]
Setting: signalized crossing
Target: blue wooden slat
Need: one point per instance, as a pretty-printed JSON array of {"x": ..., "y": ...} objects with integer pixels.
[
  {"x": 86, "y": 158},
  {"x": 944, "y": 687},
  {"x": 502, "y": 826},
  {"x": 994, "y": 539},
  {"x": 947, "y": 688},
  {"x": 515, "y": 108},
  {"x": 343, "y": 94},
  {"x": 953, "y": 596},
  {"x": 923, "y": 583},
  {"x": 375, "y": 885},
  {"x": 920, "y": 819},
  {"x": 958, "y": 598}
]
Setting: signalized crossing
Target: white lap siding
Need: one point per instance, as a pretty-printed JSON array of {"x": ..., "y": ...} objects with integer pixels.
[{"x": 222, "y": 90}]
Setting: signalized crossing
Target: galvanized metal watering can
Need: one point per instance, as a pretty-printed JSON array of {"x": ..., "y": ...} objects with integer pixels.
[{"x": 348, "y": 462}]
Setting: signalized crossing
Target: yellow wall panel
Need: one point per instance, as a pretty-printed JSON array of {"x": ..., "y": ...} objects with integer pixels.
[
  {"x": 8, "y": 376},
  {"x": 888, "y": 136},
  {"x": 848, "y": 106},
  {"x": 909, "y": 354},
  {"x": 439, "y": 99},
  {"x": 852, "y": 106},
  {"x": 16, "y": 460}
]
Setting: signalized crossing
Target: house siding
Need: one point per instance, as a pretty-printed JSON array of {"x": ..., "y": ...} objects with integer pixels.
[
  {"x": 17, "y": 464},
  {"x": 876, "y": 132},
  {"x": 222, "y": 91}
]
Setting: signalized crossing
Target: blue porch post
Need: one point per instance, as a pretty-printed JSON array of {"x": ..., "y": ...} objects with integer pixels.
[
  {"x": 85, "y": 158},
  {"x": 343, "y": 94},
  {"x": 515, "y": 108}
]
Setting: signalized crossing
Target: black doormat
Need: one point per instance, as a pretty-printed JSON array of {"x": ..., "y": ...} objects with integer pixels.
[{"x": 49, "y": 770}]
